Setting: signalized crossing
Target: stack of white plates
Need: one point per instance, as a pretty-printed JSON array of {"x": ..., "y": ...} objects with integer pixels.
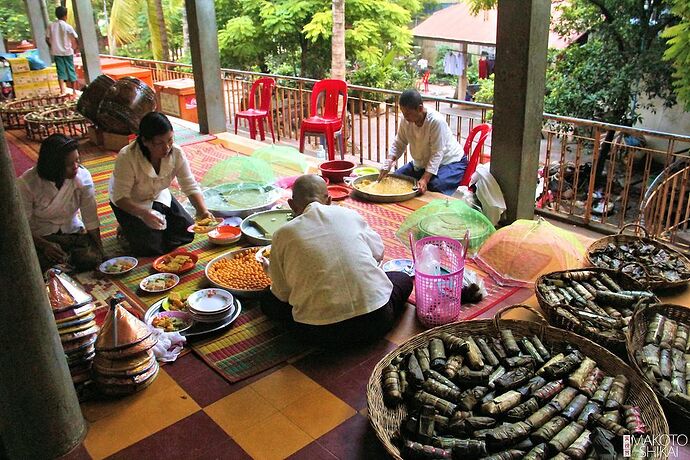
[{"x": 211, "y": 305}]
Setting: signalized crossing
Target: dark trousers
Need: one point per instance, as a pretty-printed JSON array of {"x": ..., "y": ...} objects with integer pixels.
[
  {"x": 446, "y": 181},
  {"x": 360, "y": 329},
  {"x": 80, "y": 247},
  {"x": 145, "y": 241}
]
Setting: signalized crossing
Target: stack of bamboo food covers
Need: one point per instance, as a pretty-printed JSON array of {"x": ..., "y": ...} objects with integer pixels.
[
  {"x": 124, "y": 362},
  {"x": 76, "y": 322}
]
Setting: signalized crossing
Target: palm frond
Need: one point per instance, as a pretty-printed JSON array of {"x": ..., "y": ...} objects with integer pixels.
[{"x": 123, "y": 20}]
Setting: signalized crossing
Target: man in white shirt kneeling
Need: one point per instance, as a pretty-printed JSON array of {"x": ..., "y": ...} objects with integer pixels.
[{"x": 324, "y": 268}]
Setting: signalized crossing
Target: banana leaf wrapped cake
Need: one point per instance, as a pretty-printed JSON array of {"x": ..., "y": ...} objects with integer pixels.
[
  {"x": 518, "y": 390},
  {"x": 594, "y": 302}
]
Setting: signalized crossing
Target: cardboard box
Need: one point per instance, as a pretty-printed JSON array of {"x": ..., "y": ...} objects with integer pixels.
[
  {"x": 115, "y": 142},
  {"x": 25, "y": 90},
  {"x": 19, "y": 64},
  {"x": 22, "y": 78},
  {"x": 95, "y": 135}
]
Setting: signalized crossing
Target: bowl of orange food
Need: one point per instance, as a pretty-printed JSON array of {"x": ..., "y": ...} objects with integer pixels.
[
  {"x": 205, "y": 225},
  {"x": 239, "y": 272},
  {"x": 176, "y": 262}
]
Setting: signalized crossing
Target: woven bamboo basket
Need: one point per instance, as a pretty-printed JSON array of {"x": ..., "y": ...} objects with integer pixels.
[
  {"x": 620, "y": 238},
  {"x": 635, "y": 341},
  {"x": 555, "y": 319},
  {"x": 386, "y": 421}
]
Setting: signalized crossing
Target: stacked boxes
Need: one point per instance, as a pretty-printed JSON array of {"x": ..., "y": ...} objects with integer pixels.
[{"x": 35, "y": 83}]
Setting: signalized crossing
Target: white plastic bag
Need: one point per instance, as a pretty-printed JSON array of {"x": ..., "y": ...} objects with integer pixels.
[
  {"x": 488, "y": 193},
  {"x": 430, "y": 260},
  {"x": 169, "y": 345}
]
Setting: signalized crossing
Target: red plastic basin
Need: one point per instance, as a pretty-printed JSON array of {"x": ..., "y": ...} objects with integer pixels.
[{"x": 336, "y": 170}]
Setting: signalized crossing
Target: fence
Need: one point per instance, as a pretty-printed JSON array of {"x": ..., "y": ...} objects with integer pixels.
[{"x": 591, "y": 173}]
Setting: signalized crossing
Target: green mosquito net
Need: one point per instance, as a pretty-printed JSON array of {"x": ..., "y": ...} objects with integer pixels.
[
  {"x": 518, "y": 254},
  {"x": 449, "y": 218},
  {"x": 283, "y": 160},
  {"x": 239, "y": 184}
]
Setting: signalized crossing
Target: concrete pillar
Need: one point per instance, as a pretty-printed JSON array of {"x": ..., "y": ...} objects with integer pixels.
[
  {"x": 203, "y": 44},
  {"x": 88, "y": 40},
  {"x": 38, "y": 28},
  {"x": 521, "y": 44},
  {"x": 2, "y": 44},
  {"x": 41, "y": 417}
]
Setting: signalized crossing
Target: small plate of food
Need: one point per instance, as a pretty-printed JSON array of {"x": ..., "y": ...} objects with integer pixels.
[
  {"x": 204, "y": 225},
  {"x": 118, "y": 265},
  {"x": 172, "y": 321},
  {"x": 176, "y": 262},
  {"x": 225, "y": 234},
  {"x": 159, "y": 282},
  {"x": 176, "y": 301}
]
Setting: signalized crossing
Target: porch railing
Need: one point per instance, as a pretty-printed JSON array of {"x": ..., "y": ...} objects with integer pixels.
[{"x": 591, "y": 173}]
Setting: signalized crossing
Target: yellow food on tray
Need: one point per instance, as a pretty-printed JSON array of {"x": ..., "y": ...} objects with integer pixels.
[
  {"x": 240, "y": 272},
  {"x": 159, "y": 284},
  {"x": 173, "y": 264},
  {"x": 168, "y": 324},
  {"x": 205, "y": 225},
  {"x": 387, "y": 186}
]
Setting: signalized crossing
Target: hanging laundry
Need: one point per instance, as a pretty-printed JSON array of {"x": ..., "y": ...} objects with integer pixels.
[{"x": 454, "y": 63}]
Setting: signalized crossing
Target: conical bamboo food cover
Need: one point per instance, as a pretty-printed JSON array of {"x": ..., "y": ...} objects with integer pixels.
[
  {"x": 64, "y": 293},
  {"x": 120, "y": 329}
]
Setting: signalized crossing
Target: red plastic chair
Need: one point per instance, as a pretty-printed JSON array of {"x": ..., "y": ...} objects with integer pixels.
[
  {"x": 483, "y": 131},
  {"x": 263, "y": 112},
  {"x": 326, "y": 122}
]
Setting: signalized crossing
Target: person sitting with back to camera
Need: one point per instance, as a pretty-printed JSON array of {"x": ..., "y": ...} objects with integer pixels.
[
  {"x": 438, "y": 161},
  {"x": 325, "y": 274},
  {"x": 52, "y": 193},
  {"x": 152, "y": 221}
]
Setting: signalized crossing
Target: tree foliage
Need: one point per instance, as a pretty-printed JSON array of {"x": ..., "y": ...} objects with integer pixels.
[
  {"x": 617, "y": 59},
  {"x": 297, "y": 33},
  {"x": 15, "y": 23},
  {"x": 678, "y": 51}
]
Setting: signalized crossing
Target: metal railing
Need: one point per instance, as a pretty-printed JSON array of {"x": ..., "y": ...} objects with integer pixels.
[{"x": 591, "y": 173}]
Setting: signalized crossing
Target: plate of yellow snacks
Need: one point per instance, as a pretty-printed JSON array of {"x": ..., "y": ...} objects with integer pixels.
[
  {"x": 172, "y": 321},
  {"x": 239, "y": 272},
  {"x": 204, "y": 225},
  {"x": 176, "y": 301},
  {"x": 175, "y": 262}
]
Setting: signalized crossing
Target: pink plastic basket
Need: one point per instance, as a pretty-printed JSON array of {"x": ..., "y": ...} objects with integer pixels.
[{"x": 438, "y": 296}]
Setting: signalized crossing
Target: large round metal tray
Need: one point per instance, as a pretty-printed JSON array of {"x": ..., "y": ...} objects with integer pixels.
[
  {"x": 215, "y": 198},
  {"x": 383, "y": 198},
  {"x": 197, "y": 328},
  {"x": 253, "y": 234}
]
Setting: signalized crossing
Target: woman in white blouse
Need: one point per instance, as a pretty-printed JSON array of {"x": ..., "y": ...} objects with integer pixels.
[
  {"x": 151, "y": 219},
  {"x": 52, "y": 193}
]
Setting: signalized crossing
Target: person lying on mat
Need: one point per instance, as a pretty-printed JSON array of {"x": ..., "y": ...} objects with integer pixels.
[
  {"x": 437, "y": 158},
  {"x": 52, "y": 192},
  {"x": 325, "y": 275},
  {"x": 151, "y": 219}
]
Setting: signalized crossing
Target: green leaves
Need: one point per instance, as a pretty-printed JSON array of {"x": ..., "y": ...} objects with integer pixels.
[{"x": 678, "y": 51}]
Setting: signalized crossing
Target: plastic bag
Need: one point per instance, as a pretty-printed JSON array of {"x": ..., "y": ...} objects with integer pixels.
[
  {"x": 489, "y": 193},
  {"x": 473, "y": 289},
  {"x": 430, "y": 260},
  {"x": 169, "y": 345}
]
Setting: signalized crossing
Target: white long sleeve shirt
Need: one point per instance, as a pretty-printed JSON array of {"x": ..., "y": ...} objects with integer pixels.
[
  {"x": 50, "y": 209},
  {"x": 431, "y": 145},
  {"x": 134, "y": 177},
  {"x": 324, "y": 264}
]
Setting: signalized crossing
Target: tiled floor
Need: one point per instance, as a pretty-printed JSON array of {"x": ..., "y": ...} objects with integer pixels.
[{"x": 313, "y": 408}]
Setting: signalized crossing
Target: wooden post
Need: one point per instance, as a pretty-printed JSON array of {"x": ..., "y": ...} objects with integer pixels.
[
  {"x": 521, "y": 43},
  {"x": 41, "y": 417},
  {"x": 88, "y": 41},
  {"x": 203, "y": 44}
]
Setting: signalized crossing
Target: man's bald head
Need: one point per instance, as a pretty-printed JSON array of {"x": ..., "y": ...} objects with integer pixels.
[{"x": 307, "y": 189}]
